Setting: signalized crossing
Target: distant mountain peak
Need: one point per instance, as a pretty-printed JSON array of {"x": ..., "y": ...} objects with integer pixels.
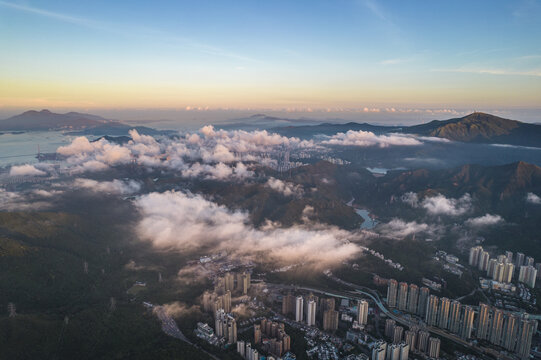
[{"x": 46, "y": 120}]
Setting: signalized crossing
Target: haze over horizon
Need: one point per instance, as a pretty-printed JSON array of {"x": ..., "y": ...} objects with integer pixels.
[{"x": 368, "y": 60}]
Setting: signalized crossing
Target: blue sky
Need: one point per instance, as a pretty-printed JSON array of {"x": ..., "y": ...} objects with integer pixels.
[{"x": 272, "y": 54}]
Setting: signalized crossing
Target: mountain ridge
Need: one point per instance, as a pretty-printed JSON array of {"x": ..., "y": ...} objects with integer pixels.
[{"x": 477, "y": 127}]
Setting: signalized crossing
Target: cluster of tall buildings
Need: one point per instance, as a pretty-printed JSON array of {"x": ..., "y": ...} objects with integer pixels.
[
  {"x": 384, "y": 351},
  {"x": 239, "y": 282},
  {"x": 245, "y": 350},
  {"x": 502, "y": 268},
  {"x": 450, "y": 315},
  {"x": 527, "y": 275},
  {"x": 510, "y": 331},
  {"x": 409, "y": 298},
  {"x": 272, "y": 336},
  {"x": 219, "y": 303},
  {"x": 224, "y": 287},
  {"x": 225, "y": 326},
  {"x": 309, "y": 308},
  {"x": 304, "y": 308},
  {"x": 414, "y": 338},
  {"x": 496, "y": 326},
  {"x": 213, "y": 302}
]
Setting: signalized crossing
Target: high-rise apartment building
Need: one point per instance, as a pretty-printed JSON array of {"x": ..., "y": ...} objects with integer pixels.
[
  {"x": 499, "y": 271},
  {"x": 474, "y": 255},
  {"x": 413, "y": 298},
  {"x": 288, "y": 304},
  {"x": 398, "y": 332},
  {"x": 226, "y": 300},
  {"x": 229, "y": 282},
  {"x": 431, "y": 315},
  {"x": 527, "y": 275},
  {"x": 389, "y": 327},
  {"x": 403, "y": 296},
  {"x": 510, "y": 332},
  {"x": 519, "y": 261},
  {"x": 443, "y": 313},
  {"x": 392, "y": 289},
  {"x": 466, "y": 326},
  {"x": 524, "y": 342},
  {"x": 393, "y": 352},
  {"x": 362, "y": 312},
  {"x": 410, "y": 337},
  {"x": 424, "y": 293},
  {"x": 330, "y": 320},
  {"x": 496, "y": 327},
  {"x": 434, "y": 348},
  {"x": 492, "y": 263},
  {"x": 484, "y": 258},
  {"x": 257, "y": 333},
  {"x": 311, "y": 314},
  {"x": 243, "y": 282},
  {"x": 379, "y": 351},
  {"x": 299, "y": 310},
  {"x": 508, "y": 272},
  {"x": 454, "y": 317},
  {"x": 326, "y": 304},
  {"x": 422, "y": 341},
  {"x": 241, "y": 348},
  {"x": 483, "y": 322}
]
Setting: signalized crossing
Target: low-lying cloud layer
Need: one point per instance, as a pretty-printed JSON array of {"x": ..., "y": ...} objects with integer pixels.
[
  {"x": 26, "y": 170},
  {"x": 485, "y": 220},
  {"x": 211, "y": 153},
  {"x": 116, "y": 187},
  {"x": 368, "y": 138},
  {"x": 30, "y": 200},
  {"x": 398, "y": 228},
  {"x": 284, "y": 187},
  {"x": 208, "y": 153},
  {"x": 186, "y": 222},
  {"x": 439, "y": 204},
  {"x": 533, "y": 199}
]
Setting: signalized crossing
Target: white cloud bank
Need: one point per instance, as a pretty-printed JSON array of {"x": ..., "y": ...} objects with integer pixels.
[
  {"x": 32, "y": 200},
  {"x": 208, "y": 153},
  {"x": 284, "y": 187},
  {"x": 186, "y": 222},
  {"x": 533, "y": 199},
  {"x": 368, "y": 138},
  {"x": 398, "y": 228},
  {"x": 440, "y": 205},
  {"x": 117, "y": 187},
  {"x": 485, "y": 220},
  {"x": 26, "y": 170}
]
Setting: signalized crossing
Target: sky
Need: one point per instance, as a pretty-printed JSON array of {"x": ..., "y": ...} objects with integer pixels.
[{"x": 301, "y": 56}]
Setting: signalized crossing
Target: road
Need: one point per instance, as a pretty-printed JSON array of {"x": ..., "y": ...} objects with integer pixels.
[{"x": 170, "y": 327}]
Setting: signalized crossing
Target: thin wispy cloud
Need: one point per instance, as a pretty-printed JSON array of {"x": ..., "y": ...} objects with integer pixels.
[
  {"x": 395, "y": 61},
  {"x": 127, "y": 31},
  {"x": 488, "y": 71},
  {"x": 376, "y": 10}
]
